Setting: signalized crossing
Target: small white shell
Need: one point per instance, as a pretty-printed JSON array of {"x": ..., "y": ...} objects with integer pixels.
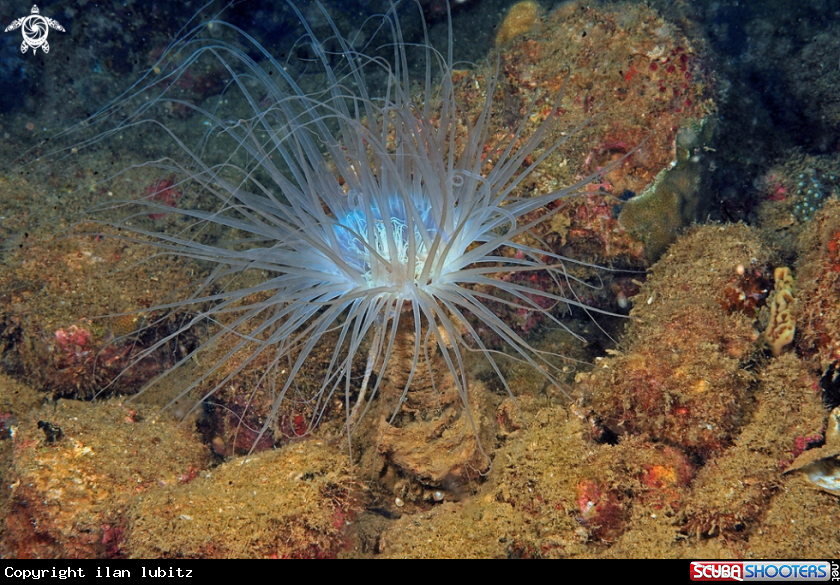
[
  {"x": 825, "y": 474},
  {"x": 821, "y": 466}
]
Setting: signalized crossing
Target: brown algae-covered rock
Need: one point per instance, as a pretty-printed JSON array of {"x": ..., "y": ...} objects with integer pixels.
[
  {"x": 679, "y": 377},
  {"x": 553, "y": 492},
  {"x": 292, "y": 502},
  {"x": 818, "y": 278},
  {"x": 636, "y": 73},
  {"x": 630, "y": 82},
  {"x": 706, "y": 456},
  {"x": 17, "y": 401},
  {"x": 75, "y": 468},
  {"x": 57, "y": 295},
  {"x": 800, "y": 521},
  {"x": 74, "y": 295},
  {"x": 732, "y": 490},
  {"x": 527, "y": 509}
]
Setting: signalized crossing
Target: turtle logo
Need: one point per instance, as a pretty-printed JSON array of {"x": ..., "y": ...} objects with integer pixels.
[{"x": 35, "y": 29}]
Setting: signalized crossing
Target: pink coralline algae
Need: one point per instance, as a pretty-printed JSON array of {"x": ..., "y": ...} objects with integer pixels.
[{"x": 73, "y": 342}]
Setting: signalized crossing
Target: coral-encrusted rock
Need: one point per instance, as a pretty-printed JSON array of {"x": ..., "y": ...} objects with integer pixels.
[
  {"x": 818, "y": 275},
  {"x": 633, "y": 80},
  {"x": 293, "y": 502},
  {"x": 75, "y": 468},
  {"x": 732, "y": 490},
  {"x": 56, "y": 291},
  {"x": 628, "y": 79},
  {"x": 553, "y": 492},
  {"x": 529, "y": 508},
  {"x": 16, "y": 401},
  {"x": 680, "y": 376}
]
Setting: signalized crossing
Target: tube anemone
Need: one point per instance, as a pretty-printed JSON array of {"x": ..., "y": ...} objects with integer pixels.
[{"x": 338, "y": 218}]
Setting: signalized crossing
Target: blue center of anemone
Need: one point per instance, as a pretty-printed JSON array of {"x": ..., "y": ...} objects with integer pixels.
[{"x": 363, "y": 236}]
